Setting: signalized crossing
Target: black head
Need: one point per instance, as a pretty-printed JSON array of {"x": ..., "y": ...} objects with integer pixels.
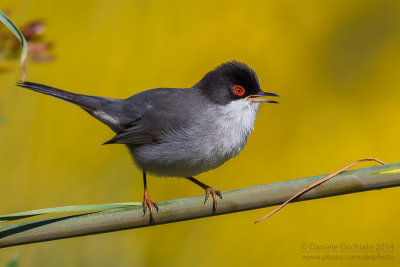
[{"x": 232, "y": 81}]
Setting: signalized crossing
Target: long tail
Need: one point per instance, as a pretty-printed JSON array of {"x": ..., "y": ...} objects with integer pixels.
[
  {"x": 104, "y": 109},
  {"x": 89, "y": 103}
]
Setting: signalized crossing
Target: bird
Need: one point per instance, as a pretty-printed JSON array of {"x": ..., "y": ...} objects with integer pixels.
[{"x": 179, "y": 132}]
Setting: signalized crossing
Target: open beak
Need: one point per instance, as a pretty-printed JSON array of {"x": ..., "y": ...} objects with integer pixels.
[{"x": 256, "y": 99}]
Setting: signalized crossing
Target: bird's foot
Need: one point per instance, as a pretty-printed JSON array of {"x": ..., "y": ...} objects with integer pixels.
[
  {"x": 214, "y": 193},
  {"x": 148, "y": 203}
]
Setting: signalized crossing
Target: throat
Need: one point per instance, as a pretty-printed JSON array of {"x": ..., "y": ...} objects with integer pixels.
[
  {"x": 235, "y": 122},
  {"x": 241, "y": 114}
]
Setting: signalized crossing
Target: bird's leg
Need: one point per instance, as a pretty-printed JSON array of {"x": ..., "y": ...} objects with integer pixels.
[
  {"x": 209, "y": 190},
  {"x": 147, "y": 202}
]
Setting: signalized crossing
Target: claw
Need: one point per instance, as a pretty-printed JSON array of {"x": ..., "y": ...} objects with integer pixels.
[
  {"x": 148, "y": 203},
  {"x": 209, "y": 190},
  {"x": 214, "y": 193}
]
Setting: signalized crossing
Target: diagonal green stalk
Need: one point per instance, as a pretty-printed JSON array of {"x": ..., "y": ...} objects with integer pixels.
[
  {"x": 14, "y": 29},
  {"x": 377, "y": 177}
]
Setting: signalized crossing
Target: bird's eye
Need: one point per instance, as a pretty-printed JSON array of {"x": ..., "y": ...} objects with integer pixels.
[{"x": 238, "y": 90}]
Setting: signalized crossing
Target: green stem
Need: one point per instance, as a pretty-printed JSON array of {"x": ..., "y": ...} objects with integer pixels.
[{"x": 193, "y": 208}]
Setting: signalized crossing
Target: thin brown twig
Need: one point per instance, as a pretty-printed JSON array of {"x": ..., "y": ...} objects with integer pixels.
[{"x": 318, "y": 183}]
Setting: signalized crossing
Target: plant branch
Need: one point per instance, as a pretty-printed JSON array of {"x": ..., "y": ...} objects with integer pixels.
[
  {"x": 359, "y": 180},
  {"x": 309, "y": 187}
]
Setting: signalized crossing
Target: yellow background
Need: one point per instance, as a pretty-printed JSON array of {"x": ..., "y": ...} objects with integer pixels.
[{"x": 334, "y": 63}]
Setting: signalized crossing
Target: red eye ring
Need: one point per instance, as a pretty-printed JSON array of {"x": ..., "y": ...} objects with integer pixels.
[{"x": 238, "y": 90}]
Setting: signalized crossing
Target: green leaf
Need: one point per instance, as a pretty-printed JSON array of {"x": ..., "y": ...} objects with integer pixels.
[
  {"x": 14, "y": 261},
  {"x": 14, "y": 29},
  {"x": 388, "y": 172},
  {"x": 27, "y": 214}
]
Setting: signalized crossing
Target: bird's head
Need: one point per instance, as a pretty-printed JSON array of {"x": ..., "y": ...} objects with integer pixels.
[{"x": 233, "y": 81}]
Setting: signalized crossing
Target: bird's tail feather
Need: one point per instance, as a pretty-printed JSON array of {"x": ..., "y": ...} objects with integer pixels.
[
  {"x": 89, "y": 103},
  {"x": 107, "y": 110}
]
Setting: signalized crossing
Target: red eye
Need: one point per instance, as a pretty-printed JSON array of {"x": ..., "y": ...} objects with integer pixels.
[{"x": 238, "y": 90}]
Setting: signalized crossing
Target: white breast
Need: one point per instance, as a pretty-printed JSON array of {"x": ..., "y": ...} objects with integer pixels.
[{"x": 235, "y": 122}]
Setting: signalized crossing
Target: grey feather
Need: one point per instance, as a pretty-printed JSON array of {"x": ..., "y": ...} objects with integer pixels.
[
  {"x": 115, "y": 113},
  {"x": 176, "y": 131}
]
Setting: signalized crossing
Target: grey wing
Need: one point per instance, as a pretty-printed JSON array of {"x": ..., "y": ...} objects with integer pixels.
[
  {"x": 134, "y": 135},
  {"x": 160, "y": 114}
]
